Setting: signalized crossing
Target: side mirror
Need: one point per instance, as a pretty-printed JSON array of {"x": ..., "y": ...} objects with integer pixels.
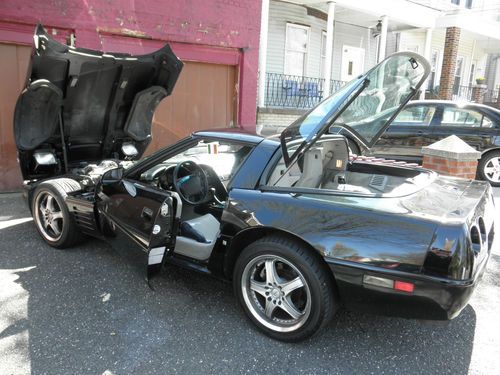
[{"x": 112, "y": 175}]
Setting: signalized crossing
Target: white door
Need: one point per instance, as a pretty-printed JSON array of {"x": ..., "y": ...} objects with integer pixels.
[
  {"x": 297, "y": 40},
  {"x": 353, "y": 62}
]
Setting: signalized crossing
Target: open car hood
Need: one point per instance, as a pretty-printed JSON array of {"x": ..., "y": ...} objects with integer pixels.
[
  {"x": 81, "y": 106},
  {"x": 363, "y": 108}
]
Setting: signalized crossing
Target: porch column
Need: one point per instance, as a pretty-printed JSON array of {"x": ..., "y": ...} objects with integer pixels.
[
  {"x": 264, "y": 27},
  {"x": 329, "y": 48},
  {"x": 383, "y": 38},
  {"x": 427, "y": 55},
  {"x": 449, "y": 63}
]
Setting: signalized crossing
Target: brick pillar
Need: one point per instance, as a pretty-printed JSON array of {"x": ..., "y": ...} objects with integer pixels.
[
  {"x": 478, "y": 92},
  {"x": 449, "y": 63},
  {"x": 451, "y": 157}
]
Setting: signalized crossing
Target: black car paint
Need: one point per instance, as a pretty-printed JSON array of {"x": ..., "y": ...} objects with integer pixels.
[
  {"x": 404, "y": 141},
  {"x": 354, "y": 235},
  {"x": 336, "y": 227}
]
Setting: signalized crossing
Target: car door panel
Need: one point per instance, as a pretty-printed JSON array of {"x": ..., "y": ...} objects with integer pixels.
[
  {"x": 141, "y": 222},
  {"x": 472, "y": 133},
  {"x": 404, "y": 139}
]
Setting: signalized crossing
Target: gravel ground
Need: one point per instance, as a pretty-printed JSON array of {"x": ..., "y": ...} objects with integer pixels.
[{"x": 87, "y": 311}]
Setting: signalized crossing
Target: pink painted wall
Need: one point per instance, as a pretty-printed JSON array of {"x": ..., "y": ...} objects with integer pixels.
[{"x": 220, "y": 31}]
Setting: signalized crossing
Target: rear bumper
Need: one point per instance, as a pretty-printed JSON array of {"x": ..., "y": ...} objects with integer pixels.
[{"x": 433, "y": 298}]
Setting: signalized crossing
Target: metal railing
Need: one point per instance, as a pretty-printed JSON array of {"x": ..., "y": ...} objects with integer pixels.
[
  {"x": 492, "y": 96},
  {"x": 289, "y": 91},
  {"x": 461, "y": 92}
]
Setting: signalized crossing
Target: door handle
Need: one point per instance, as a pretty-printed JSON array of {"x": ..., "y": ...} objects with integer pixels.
[{"x": 147, "y": 213}]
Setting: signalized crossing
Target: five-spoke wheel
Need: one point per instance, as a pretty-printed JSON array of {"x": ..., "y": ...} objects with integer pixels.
[
  {"x": 284, "y": 288},
  {"x": 489, "y": 168},
  {"x": 276, "y": 293},
  {"x": 51, "y": 215}
]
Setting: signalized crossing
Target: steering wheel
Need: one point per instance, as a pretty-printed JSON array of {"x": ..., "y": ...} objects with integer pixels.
[{"x": 191, "y": 182}]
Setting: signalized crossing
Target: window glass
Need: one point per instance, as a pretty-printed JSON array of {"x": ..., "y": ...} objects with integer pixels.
[
  {"x": 323, "y": 55},
  {"x": 461, "y": 117},
  {"x": 487, "y": 123},
  {"x": 458, "y": 75},
  {"x": 297, "y": 38},
  {"x": 418, "y": 115},
  {"x": 433, "y": 77},
  {"x": 224, "y": 158}
]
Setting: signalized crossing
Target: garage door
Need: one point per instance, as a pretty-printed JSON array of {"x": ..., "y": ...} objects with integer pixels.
[
  {"x": 204, "y": 97},
  {"x": 14, "y": 60}
]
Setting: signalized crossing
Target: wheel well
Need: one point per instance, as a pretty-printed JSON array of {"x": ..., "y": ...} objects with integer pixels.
[
  {"x": 489, "y": 151},
  {"x": 247, "y": 236}
]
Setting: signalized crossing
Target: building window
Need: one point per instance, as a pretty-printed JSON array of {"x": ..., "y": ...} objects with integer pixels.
[
  {"x": 434, "y": 68},
  {"x": 297, "y": 40},
  {"x": 323, "y": 55},
  {"x": 472, "y": 73},
  {"x": 459, "y": 69},
  {"x": 465, "y": 3}
]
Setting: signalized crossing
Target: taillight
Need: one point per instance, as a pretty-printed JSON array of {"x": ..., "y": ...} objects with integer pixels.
[
  {"x": 403, "y": 286},
  {"x": 383, "y": 282}
]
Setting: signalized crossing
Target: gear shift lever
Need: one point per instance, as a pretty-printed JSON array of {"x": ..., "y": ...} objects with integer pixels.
[{"x": 211, "y": 191}]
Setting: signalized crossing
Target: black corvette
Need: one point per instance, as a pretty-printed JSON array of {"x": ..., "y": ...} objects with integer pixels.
[{"x": 297, "y": 225}]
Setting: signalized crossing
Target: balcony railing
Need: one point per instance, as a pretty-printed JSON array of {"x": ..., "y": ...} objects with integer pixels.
[
  {"x": 492, "y": 96},
  {"x": 461, "y": 92},
  {"x": 288, "y": 91}
]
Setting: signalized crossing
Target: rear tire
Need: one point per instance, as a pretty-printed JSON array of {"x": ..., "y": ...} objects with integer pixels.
[
  {"x": 489, "y": 168},
  {"x": 293, "y": 304},
  {"x": 51, "y": 215}
]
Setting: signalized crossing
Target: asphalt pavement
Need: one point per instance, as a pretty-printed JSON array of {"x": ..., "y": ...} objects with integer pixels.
[{"x": 88, "y": 311}]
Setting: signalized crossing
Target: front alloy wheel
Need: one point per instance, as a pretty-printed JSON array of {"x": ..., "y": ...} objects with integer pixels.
[
  {"x": 49, "y": 216},
  {"x": 284, "y": 288}
]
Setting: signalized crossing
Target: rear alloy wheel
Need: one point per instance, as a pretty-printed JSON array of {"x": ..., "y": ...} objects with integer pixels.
[
  {"x": 284, "y": 290},
  {"x": 51, "y": 215},
  {"x": 489, "y": 168}
]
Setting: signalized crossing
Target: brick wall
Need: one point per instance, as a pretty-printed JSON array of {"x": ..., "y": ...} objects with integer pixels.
[
  {"x": 451, "y": 156},
  {"x": 448, "y": 167},
  {"x": 271, "y": 121},
  {"x": 450, "y": 53},
  {"x": 478, "y": 92},
  {"x": 219, "y": 24}
]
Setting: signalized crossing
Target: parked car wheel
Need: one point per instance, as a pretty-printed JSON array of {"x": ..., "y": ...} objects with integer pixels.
[
  {"x": 285, "y": 291},
  {"x": 489, "y": 168},
  {"x": 50, "y": 212}
]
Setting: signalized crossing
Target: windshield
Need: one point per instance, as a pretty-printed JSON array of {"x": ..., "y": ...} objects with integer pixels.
[{"x": 365, "y": 105}]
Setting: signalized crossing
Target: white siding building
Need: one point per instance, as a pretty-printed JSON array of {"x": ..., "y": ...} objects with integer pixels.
[{"x": 295, "y": 73}]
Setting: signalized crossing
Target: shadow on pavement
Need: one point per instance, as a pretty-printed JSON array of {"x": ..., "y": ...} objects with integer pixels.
[{"x": 88, "y": 311}]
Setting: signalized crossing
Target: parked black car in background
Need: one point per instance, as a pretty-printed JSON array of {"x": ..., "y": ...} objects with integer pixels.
[{"x": 422, "y": 123}]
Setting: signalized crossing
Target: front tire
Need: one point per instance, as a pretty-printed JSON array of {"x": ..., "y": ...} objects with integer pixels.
[
  {"x": 51, "y": 215},
  {"x": 284, "y": 289},
  {"x": 489, "y": 168}
]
